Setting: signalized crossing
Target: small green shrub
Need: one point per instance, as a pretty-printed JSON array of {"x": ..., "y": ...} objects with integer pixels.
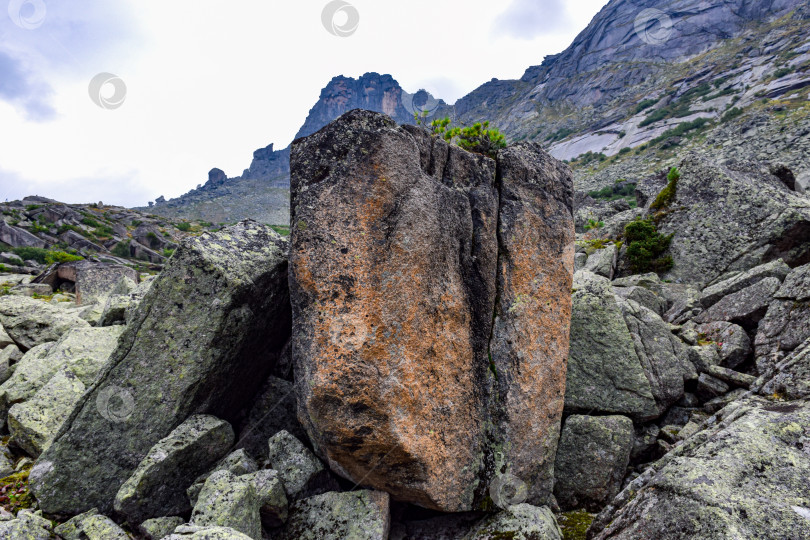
[
  {"x": 682, "y": 129},
  {"x": 731, "y": 114},
  {"x": 184, "y": 226},
  {"x": 61, "y": 257},
  {"x": 104, "y": 231},
  {"x": 90, "y": 222},
  {"x": 32, "y": 207},
  {"x": 646, "y": 247},
  {"x": 625, "y": 150},
  {"x": 560, "y": 134},
  {"x": 3, "y": 268},
  {"x": 121, "y": 249},
  {"x": 31, "y": 254},
  {"x": 168, "y": 252},
  {"x": 593, "y": 224},
  {"x": 646, "y": 104},
  {"x": 482, "y": 139},
  {"x": 667, "y": 195}
]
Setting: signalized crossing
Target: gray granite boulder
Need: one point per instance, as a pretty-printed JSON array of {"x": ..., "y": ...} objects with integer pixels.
[
  {"x": 32, "y": 322},
  {"x": 360, "y": 515},
  {"x": 230, "y": 291},
  {"x": 229, "y": 501},
  {"x": 592, "y": 460},
  {"x": 158, "y": 486}
]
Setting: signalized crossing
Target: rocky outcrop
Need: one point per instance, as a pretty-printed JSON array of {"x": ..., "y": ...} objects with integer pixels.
[
  {"x": 229, "y": 290},
  {"x": 744, "y": 476},
  {"x": 394, "y": 288},
  {"x": 732, "y": 217}
]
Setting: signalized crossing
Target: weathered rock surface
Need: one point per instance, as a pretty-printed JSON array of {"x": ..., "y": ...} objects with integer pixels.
[
  {"x": 732, "y": 217},
  {"x": 394, "y": 272},
  {"x": 518, "y": 522},
  {"x": 158, "y": 528},
  {"x": 362, "y": 514},
  {"x": 237, "y": 463},
  {"x": 91, "y": 281},
  {"x": 732, "y": 342},
  {"x": 272, "y": 499},
  {"x": 743, "y": 477},
  {"x": 26, "y": 526},
  {"x": 713, "y": 294},
  {"x": 81, "y": 353},
  {"x": 229, "y": 501},
  {"x": 157, "y": 487},
  {"x": 592, "y": 460},
  {"x": 91, "y": 526},
  {"x": 786, "y": 324},
  {"x": 229, "y": 289},
  {"x": 790, "y": 378},
  {"x": 32, "y": 322},
  {"x": 746, "y": 307},
  {"x": 604, "y": 373},
  {"x": 301, "y": 473}
]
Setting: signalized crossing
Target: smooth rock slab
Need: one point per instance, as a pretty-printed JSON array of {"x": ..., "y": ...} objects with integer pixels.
[
  {"x": 746, "y": 307},
  {"x": 359, "y": 515},
  {"x": 229, "y": 290},
  {"x": 592, "y": 460},
  {"x": 157, "y": 487}
]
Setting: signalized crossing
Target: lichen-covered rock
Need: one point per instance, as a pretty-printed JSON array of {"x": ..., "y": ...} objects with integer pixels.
[
  {"x": 301, "y": 473},
  {"x": 714, "y": 293},
  {"x": 229, "y": 290},
  {"x": 81, "y": 352},
  {"x": 32, "y": 322},
  {"x": 531, "y": 331},
  {"x": 604, "y": 372},
  {"x": 746, "y": 307},
  {"x": 360, "y": 515},
  {"x": 644, "y": 297},
  {"x": 114, "y": 310},
  {"x": 34, "y": 423},
  {"x": 157, "y": 487},
  {"x": 91, "y": 526},
  {"x": 664, "y": 358},
  {"x": 732, "y": 217},
  {"x": 206, "y": 533},
  {"x": 394, "y": 273},
  {"x": 229, "y": 501},
  {"x": 592, "y": 460},
  {"x": 237, "y": 463},
  {"x": 26, "y": 526},
  {"x": 743, "y": 477},
  {"x": 731, "y": 341},
  {"x": 786, "y": 325},
  {"x": 790, "y": 378},
  {"x": 91, "y": 281},
  {"x": 603, "y": 261},
  {"x": 518, "y": 522},
  {"x": 158, "y": 528},
  {"x": 272, "y": 498},
  {"x": 5, "y": 339}
]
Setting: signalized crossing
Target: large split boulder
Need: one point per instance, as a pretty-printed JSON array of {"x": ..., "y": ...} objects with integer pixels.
[
  {"x": 394, "y": 273},
  {"x": 90, "y": 281},
  {"x": 202, "y": 341}
]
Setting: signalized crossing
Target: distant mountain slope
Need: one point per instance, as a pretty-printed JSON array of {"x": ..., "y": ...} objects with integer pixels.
[{"x": 646, "y": 80}]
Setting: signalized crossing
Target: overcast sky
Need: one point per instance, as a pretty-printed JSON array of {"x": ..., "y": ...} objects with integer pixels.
[{"x": 203, "y": 83}]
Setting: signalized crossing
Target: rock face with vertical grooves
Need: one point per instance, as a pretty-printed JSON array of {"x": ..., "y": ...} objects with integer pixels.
[
  {"x": 229, "y": 289},
  {"x": 395, "y": 272}
]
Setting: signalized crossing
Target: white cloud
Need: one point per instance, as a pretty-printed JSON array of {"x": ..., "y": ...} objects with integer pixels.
[
  {"x": 529, "y": 19},
  {"x": 208, "y": 82}
]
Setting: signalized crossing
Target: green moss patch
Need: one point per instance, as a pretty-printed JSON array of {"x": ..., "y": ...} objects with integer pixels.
[
  {"x": 574, "y": 525},
  {"x": 14, "y": 492}
]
